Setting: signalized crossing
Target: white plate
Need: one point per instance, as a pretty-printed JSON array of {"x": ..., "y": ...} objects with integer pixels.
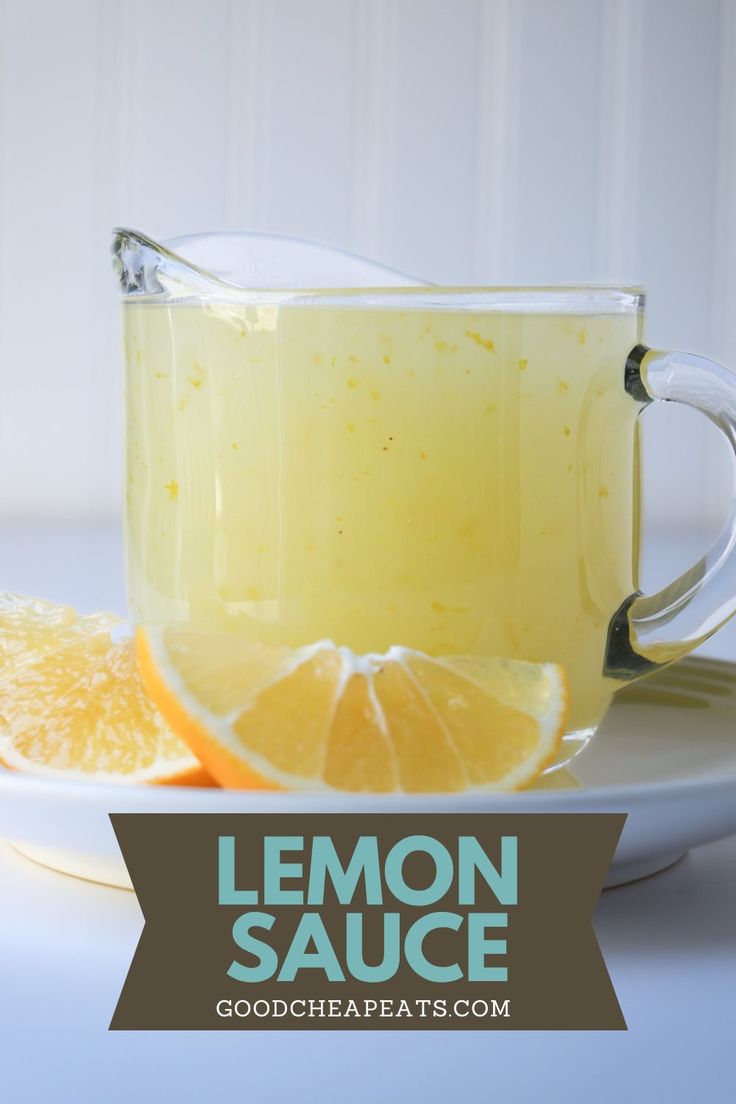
[{"x": 666, "y": 755}]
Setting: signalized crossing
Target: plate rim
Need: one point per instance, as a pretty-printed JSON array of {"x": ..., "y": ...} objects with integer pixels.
[{"x": 113, "y": 794}]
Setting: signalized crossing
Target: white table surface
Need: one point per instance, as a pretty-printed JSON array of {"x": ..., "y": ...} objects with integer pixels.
[{"x": 65, "y": 946}]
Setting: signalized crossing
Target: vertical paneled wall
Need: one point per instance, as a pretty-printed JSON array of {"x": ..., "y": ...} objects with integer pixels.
[{"x": 467, "y": 140}]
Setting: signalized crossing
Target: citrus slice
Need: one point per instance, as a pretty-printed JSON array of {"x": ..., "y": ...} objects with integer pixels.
[
  {"x": 72, "y": 703},
  {"x": 322, "y": 718}
]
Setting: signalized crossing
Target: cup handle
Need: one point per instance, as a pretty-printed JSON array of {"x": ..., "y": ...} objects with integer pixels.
[{"x": 650, "y": 631}]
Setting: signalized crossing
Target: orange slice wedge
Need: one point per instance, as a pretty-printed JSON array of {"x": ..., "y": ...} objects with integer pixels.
[
  {"x": 323, "y": 718},
  {"x": 72, "y": 703}
]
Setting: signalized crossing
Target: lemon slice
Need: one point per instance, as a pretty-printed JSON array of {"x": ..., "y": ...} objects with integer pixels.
[
  {"x": 72, "y": 703},
  {"x": 321, "y": 717}
]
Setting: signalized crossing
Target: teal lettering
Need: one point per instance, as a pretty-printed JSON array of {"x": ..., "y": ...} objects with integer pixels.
[
  {"x": 394, "y": 870},
  {"x": 275, "y": 870},
  {"x": 322, "y": 957},
  {"x": 414, "y": 946},
  {"x": 363, "y": 863},
  {"x": 472, "y": 857},
  {"x": 356, "y": 963},
  {"x": 267, "y": 957},
  {"x": 479, "y": 946},
  {"x": 227, "y": 894}
]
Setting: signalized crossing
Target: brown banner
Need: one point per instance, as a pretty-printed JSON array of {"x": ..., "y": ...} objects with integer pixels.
[{"x": 368, "y": 921}]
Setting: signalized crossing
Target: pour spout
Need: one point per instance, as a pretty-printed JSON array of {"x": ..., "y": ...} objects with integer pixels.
[
  {"x": 136, "y": 261},
  {"x": 146, "y": 267},
  {"x": 235, "y": 264}
]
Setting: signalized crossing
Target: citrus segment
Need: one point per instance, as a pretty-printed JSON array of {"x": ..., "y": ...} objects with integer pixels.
[
  {"x": 322, "y": 717},
  {"x": 439, "y": 767},
  {"x": 72, "y": 702},
  {"x": 286, "y": 723},
  {"x": 359, "y": 754},
  {"x": 468, "y": 714}
]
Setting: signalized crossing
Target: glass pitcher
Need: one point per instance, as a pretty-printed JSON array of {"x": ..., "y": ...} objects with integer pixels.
[{"x": 318, "y": 448}]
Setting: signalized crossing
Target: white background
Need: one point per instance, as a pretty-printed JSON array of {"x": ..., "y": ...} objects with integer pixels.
[{"x": 462, "y": 140}]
